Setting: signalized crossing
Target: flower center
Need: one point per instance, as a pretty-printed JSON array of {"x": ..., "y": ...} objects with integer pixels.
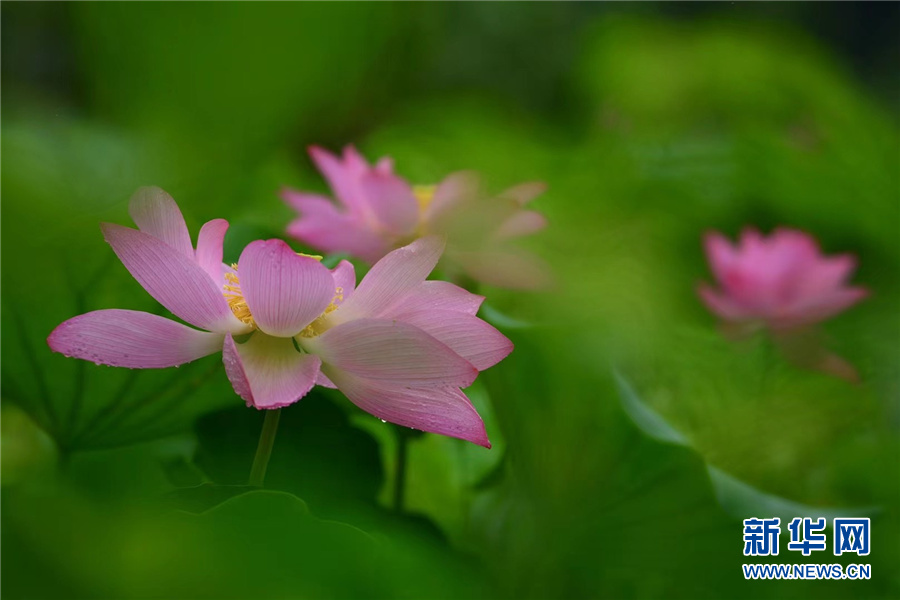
[
  {"x": 319, "y": 326},
  {"x": 235, "y": 298},
  {"x": 424, "y": 195},
  {"x": 239, "y": 307}
]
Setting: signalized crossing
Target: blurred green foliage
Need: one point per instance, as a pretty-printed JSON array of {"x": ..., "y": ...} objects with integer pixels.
[{"x": 649, "y": 131}]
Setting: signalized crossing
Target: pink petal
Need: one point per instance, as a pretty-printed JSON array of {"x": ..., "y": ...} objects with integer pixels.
[
  {"x": 751, "y": 240},
  {"x": 391, "y": 202},
  {"x": 722, "y": 305},
  {"x": 157, "y": 214},
  {"x": 209, "y": 248},
  {"x": 313, "y": 205},
  {"x": 524, "y": 192},
  {"x": 790, "y": 255},
  {"x": 520, "y": 223},
  {"x": 385, "y": 165},
  {"x": 822, "y": 277},
  {"x": 344, "y": 276},
  {"x": 133, "y": 339},
  {"x": 467, "y": 335},
  {"x": 828, "y": 305},
  {"x": 455, "y": 189},
  {"x": 284, "y": 291},
  {"x": 354, "y": 162},
  {"x": 322, "y": 226},
  {"x": 176, "y": 281},
  {"x": 793, "y": 244},
  {"x": 446, "y": 411},
  {"x": 390, "y": 279},
  {"x": 771, "y": 273},
  {"x": 339, "y": 235},
  {"x": 341, "y": 178},
  {"x": 721, "y": 254},
  {"x": 387, "y": 349},
  {"x": 268, "y": 372},
  {"x": 751, "y": 274},
  {"x": 324, "y": 381},
  {"x": 507, "y": 267},
  {"x": 436, "y": 295}
]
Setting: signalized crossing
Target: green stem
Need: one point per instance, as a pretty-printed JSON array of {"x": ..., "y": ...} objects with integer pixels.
[
  {"x": 400, "y": 472},
  {"x": 264, "y": 449}
]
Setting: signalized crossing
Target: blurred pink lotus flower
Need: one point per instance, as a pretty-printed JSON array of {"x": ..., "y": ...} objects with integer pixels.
[
  {"x": 783, "y": 283},
  {"x": 377, "y": 211},
  {"x": 399, "y": 347}
]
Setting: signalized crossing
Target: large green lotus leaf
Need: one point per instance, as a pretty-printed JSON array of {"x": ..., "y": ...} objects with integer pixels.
[
  {"x": 260, "y": 544},
  {"x": 727, "y": 395},
  {"x": 588, "y": 488},
  {"x": 597, "y": 491},
  {"x": 743, "y": 501},
  {"x": 341, "y": 461},
  {"x": 738, "y": 498},
  {"x": 115, "y": 509},
  {"x": 27, "y": 450}
]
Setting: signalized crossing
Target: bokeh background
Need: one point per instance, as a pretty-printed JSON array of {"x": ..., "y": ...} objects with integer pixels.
[{"x": 651, "y": 123}]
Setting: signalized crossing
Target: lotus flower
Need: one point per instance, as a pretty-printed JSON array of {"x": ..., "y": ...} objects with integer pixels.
[
  {"x": 398, "y": 346},
  {"x": 377, "y": 211},
  {"x": 782, "y": 282}
]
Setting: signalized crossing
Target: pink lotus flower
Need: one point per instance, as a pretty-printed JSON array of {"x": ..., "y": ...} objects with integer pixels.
[
  {"x": 398, "y": 346},
  {"x": 786, "y": 285},
  {"x": 782, "y": 282},
  {"x": 378, "y": 211}
]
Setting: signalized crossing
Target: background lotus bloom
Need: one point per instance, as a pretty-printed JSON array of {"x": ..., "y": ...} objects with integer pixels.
[
  {"x": 400, "y": 347},
  {"x": 783, "y": 281},
  {"x": 378, "y": 211}
]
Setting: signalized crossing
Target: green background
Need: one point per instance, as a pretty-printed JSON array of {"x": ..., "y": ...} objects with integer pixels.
[{"x": 650, "y": 123}]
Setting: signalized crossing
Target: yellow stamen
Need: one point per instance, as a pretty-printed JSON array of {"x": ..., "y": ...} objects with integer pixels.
[
  {"x": 319, "y": 326},
  {"x": 235, "y": 298},
  {"x": 315, "y": 256},
  {"x": 424, "y": 195}
]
